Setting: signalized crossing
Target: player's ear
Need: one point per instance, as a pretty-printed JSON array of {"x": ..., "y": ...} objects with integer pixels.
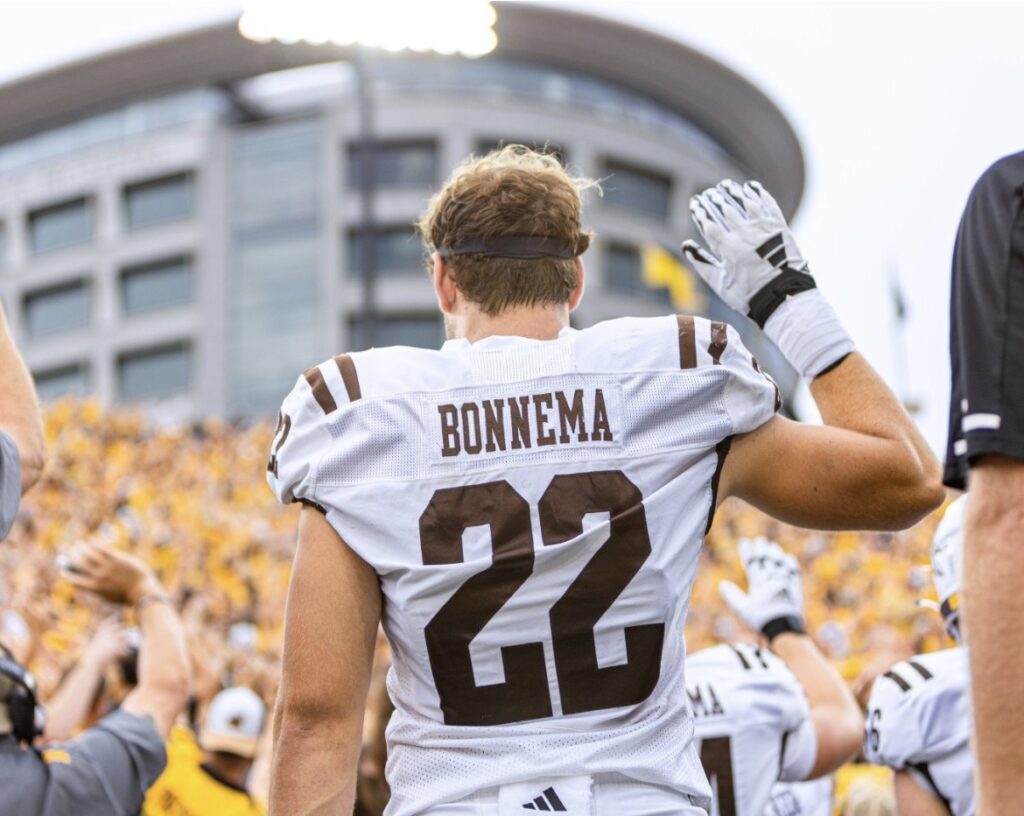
[
  {"x": 577, "y": 292},
  {"x": 444, "y": 286}
]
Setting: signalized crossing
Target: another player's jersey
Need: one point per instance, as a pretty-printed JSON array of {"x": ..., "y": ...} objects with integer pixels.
[
  {"x": 534, "y": 510},
  {"x": 812, "y": 798},
  {"x": 752, "y": 726},
  {"x": 919, "y": 721}
]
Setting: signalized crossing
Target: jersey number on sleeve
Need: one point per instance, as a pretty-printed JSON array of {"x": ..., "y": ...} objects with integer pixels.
[
  {"x": 583, "y": 685},
  {"x": 716, "y": 757}
]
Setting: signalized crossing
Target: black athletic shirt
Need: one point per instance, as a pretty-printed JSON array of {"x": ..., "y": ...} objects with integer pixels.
[{"x": 986, "y": 412}]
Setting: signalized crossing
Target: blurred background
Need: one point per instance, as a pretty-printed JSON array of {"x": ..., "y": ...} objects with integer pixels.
[{"x": 196, "y": 205}]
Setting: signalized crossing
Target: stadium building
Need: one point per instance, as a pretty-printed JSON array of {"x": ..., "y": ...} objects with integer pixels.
[{"x": 180, "y": 221}]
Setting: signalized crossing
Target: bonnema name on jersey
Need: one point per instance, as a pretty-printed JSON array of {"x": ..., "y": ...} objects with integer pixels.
[{"x": 514, "y": 423}]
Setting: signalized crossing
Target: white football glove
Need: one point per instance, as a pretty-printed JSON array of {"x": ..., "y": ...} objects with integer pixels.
[
  {"x": 756, "y": 267},
  {"x": 773, "y": 580}
]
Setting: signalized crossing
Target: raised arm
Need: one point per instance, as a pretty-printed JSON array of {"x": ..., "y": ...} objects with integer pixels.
[
  {"x": 331, "y": 619},
  {"x": 867, "y": 467},
  {"x": 115, "y": 576},
  {"x": 773, "y": 607},
  {"x": 20, "y": 417}
]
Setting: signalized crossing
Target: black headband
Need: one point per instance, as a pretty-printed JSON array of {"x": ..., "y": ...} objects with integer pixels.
[{"x": 521, "y": 247}]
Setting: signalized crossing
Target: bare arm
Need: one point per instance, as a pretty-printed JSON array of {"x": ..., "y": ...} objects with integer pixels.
[
  {"x": 993, "y": 606},
  {"x": 331, "y": 622},
  {"x": 913, "y": 800},
  {"x": 868, "y": 467},
  {"x": 837, "y": 719},
  {"x": 20, "y": 417},
  {"x": 163, "y": 687},
  {"x": 67, "y": 711}
]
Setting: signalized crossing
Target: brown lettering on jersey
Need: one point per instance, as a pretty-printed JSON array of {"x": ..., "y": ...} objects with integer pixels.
[
  {"x": 471, "y": 438},
  {"x": 602, "y": 431},
  {"x": 519, "y": 408},
  {"x": 523, "y": 422},
  {"x": 449, "y": 430},
  {"x": 571, "y": 418},
  {"x": 494, "y": 420},
  {"x": 545, "y": 436}
]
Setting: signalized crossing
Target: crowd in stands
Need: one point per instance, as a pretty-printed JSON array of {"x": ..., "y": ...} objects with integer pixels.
[{"x": 192, "y": 502}]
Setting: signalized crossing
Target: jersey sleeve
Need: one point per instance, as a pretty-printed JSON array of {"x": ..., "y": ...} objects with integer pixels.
[
  {"x": 799, "y": 752},
  {"x": 300, "y": 440},
  {"x": 751, "y": 396},
  {"x": 892, "y": 734},
  {"x": 791, "y": 711}
]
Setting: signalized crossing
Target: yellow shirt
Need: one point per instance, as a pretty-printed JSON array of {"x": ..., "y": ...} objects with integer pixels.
[{"x": 185, "y": 789}]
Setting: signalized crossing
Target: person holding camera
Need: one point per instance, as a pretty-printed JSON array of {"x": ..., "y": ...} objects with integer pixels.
[{"x": 110, "y": 766}]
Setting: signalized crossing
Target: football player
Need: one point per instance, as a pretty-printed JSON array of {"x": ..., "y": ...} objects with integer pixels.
[
  {"x": 763, "y": 716},
  {"x": 524, "y": 507},
  {"x": 919, "y": 711}
]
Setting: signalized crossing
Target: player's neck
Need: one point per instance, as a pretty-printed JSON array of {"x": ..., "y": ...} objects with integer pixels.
[{"x": 534, "y": 322}]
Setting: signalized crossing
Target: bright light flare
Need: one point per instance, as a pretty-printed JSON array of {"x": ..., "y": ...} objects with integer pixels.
[{"x": 443, "y": 26}]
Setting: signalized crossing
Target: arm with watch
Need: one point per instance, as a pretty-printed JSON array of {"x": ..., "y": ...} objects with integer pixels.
[
  {"x": 773, "y": 606},
  {"x": 867, "y": 467}
]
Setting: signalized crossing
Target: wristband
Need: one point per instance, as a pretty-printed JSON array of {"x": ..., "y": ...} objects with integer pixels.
[
  {"x": 152, "y": 598},
  {"x": 780, "y": 626},
  {"x": 808, "y": 332}
]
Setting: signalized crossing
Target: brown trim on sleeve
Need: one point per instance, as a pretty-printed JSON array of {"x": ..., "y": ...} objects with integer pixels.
[
  {"x": 308, "y": 503},
  {"x": 687, "y": 342},
  {"x": 721, "y": 451},
  {"x": 349, "y": 376},
  {"x": 321, "y": 393},
  {"x": 719, "y": 340}
]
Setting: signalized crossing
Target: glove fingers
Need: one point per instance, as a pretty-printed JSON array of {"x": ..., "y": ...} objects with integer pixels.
[
  {"x": 714, "y": 208},
  {"x": 728, "y": 212},
  {"x": 733, "y": 194},
  {"x": 771, "y": 206},
  {"x": 704, "y": 264},
  {"x": 734, "y": 597}
]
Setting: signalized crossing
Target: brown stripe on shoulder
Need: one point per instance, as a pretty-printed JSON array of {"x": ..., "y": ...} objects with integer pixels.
[
  {"x": 687, "y": 342},
  {"x": 349, "y": 376},
  {"x": 719, "y": 340},
  {"x": 321, "y": 393}
]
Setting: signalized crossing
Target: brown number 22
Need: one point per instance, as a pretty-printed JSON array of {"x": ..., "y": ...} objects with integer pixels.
[{"x": 583, "y": 685}]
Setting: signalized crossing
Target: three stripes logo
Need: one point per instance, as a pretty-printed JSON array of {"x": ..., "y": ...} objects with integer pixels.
[
  {"x": 773, "y": 250},
  {"x": 548, "y": 800}
]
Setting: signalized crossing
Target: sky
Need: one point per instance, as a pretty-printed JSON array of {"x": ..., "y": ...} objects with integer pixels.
[{"x": 899, "y": 107}]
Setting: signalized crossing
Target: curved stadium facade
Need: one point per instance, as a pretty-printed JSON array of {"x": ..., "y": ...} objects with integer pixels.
[{"x": 180, "y": 221}]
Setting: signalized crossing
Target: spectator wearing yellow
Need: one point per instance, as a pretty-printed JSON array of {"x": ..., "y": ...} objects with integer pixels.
[{"x": 209, "y": 778}]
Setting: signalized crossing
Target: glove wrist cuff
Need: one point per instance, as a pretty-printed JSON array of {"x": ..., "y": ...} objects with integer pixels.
[
  {"x": 780, "y": 626},
  {"x": 809, "y": 333}
]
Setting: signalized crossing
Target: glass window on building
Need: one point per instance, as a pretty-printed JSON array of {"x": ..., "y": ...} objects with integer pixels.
[
  {"x": 154, "y": 372},
  {"x": 641, "y": 191},
  {"x": 399, "y": 249},
  {"x": 398, "y": 164},
  {"x": 158, "y": 201},
  {"x": 156, "y": 285},
  {"x": 68, "y": 380},
  {"x": 57, "y": 309},
  {"x": 422, "y": 331},
  {"x": 60, "y": 225},
  {"x": 624, "y": 272},
  {"x": 485, "y": 146}
]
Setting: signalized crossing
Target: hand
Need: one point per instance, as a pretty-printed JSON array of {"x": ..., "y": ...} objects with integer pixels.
[
  {"x": 751, "y": 246},
  {"x": 113, "y": 575},
  {"x": 773, "y": 580},
  {"x": 111, "y": 642}
]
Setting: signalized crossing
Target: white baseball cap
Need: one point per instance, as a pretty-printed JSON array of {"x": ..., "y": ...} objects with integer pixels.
[{"x": 234, "y": 723}]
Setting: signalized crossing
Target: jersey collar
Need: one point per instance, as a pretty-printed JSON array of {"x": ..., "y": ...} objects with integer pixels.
[{"x": 500, "y": 341}]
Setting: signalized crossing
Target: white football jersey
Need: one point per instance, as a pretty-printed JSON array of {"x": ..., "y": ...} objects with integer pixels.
[
  {"x": 814, "y": 798},
  {"x": 752, "y": 725},
  {"x": 919, "y": 720},
  {"x": 534, "y": 510}
]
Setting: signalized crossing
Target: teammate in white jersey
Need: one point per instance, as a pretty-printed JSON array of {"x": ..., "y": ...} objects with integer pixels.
[
  {"x": 524, "y": 508},
  {"x": 768, "y": 715},
  {"x": 919, "y": 713},
  {"x": 813, "y": 798}
]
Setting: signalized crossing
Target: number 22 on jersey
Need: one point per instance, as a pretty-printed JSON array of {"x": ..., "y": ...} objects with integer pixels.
[{"x": 583, "y": 685}]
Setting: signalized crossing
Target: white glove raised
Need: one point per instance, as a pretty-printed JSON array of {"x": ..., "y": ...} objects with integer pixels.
[
  {"x": 774, "y": 592},
  {"x": 756, "y": 267}
]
